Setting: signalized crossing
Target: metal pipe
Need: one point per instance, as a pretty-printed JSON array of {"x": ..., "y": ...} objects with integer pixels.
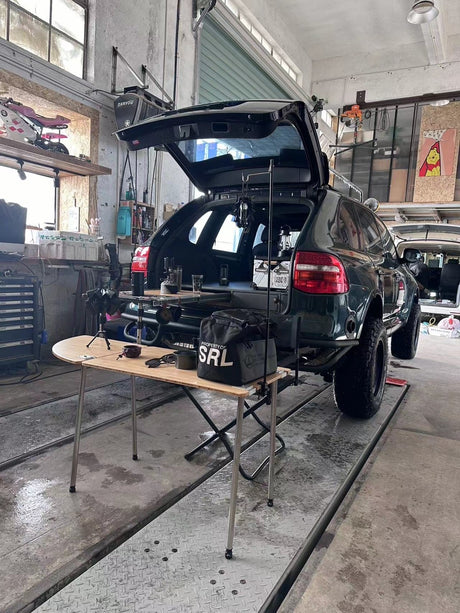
[{"x": 76, "y": 444}]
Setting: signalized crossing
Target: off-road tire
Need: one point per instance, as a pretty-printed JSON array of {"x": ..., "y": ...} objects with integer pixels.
[
  {"x": 404, "y": 341},
  {"x": 359, "y": 380}
]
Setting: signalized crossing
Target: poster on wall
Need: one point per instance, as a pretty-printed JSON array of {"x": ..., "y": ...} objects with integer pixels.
[
  {"x": 437, "y": 153},
  {"x": 436, "y": 169}
]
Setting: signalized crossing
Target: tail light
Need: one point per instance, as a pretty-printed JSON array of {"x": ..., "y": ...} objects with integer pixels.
[
  {"x": 140, "y": 260},
  {"x": 319, "y": 273}
]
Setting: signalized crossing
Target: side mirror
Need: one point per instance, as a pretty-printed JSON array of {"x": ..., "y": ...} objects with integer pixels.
[
  {"x": 372, "y": 204},
  {"x": 325, "y": 165},
  {"x": 411, "y": 255}
]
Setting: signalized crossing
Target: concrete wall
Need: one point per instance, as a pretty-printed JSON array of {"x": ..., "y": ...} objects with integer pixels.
[
  {"x": 145, "y": 35},
  {"x": 406, "y": 72}
]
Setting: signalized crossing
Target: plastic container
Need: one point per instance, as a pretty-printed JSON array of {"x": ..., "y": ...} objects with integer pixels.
[{"x": 124, "y": 222}]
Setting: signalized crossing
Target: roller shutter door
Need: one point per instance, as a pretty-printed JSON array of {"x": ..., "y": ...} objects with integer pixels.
[{"x": 227, "y": 72}]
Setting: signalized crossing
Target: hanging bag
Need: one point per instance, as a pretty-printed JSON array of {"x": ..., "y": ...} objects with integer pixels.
[{"x": 232, "y": 347}]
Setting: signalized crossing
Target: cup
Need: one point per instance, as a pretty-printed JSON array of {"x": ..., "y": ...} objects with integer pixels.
[
  {"x": 179, "y": 277},
  {"x": 197, "y": 283},
  {"x": 186, "y": 359},
  {"x": 131, "y": 351}
]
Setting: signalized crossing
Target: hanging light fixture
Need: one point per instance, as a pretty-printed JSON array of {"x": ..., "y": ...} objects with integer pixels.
[
  {"x": 422, "y": 11},
  {"x": 21, "y": 172}
]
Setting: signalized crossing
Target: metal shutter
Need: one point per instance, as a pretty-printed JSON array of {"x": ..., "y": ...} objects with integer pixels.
[{"x": 227, "y": 72}]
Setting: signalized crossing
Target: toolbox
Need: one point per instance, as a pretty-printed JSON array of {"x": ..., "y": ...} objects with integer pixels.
[{"x": 20, "y": 320}]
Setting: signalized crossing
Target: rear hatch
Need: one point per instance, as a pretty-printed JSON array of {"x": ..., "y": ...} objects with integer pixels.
[
  {"x": 428, "y": 237},
  {"x": 216, "y": 144}
]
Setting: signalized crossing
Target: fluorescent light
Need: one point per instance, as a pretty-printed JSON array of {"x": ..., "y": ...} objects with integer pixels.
[{"x": 422, "y": 11}]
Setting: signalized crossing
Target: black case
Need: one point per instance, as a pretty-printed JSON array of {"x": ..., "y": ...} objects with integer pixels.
[{"x": 232, "y": 347}]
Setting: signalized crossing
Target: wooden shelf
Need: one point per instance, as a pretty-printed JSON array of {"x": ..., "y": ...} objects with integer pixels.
[{"x": 42, "y": 162}]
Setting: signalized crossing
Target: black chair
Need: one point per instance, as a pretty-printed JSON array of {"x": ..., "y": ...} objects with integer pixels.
[
  {"x": 450, "y": 278},
  {"x": 261, "y": 250}
]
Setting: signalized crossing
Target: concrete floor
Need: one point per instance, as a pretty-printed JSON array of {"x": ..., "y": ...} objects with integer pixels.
[{"x": 394, "y": 545}]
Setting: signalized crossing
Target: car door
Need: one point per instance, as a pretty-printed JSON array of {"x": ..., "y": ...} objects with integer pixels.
[
  {"x": 388, "y": 269},
  {"x": 374, "y": 245}
]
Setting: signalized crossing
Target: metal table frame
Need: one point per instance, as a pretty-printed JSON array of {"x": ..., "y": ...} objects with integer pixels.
[{"x": 186, "y": 379}]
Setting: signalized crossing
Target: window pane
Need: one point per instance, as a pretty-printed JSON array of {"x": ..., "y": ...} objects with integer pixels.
[
  {"x": 36, "y": 193},
  {"x": 69, "y": 18},
  {"x": 66, "y": 54},
  {"x": 370, "y": 232},
  {"x": 3, "y": 18},
  {"x": 229, "y": 236},
  {"x": 344, "y": 230},
  {"x": 197, "y": 228},
  {"x": 28, "y": 33},
  {"x": 41, "y": 8}
]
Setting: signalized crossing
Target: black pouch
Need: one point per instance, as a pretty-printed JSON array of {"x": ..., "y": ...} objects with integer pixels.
[{"x": 232, "y": 347}]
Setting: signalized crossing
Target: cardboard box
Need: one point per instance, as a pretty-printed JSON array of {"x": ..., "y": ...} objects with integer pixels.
[{"x": 280, "y": 274}]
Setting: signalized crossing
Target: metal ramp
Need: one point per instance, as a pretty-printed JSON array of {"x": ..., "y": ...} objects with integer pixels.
[{"x": 176, "y": 563}]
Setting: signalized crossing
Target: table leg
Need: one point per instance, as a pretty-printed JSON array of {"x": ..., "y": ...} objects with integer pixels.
[
  {"x": 134, "y": 415},
  {"x": 271, "y": 466},
  {"x": 76, "y": 441},
  {"x": 236, "y": 466}
]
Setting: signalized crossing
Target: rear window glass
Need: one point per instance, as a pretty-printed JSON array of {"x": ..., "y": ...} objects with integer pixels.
[
  {"x": 283, "y": 143},
  {"x": 228, "y": 237}
]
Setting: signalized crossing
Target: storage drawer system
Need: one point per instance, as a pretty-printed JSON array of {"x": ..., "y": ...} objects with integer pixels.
[{"x": 20, "y": 320}]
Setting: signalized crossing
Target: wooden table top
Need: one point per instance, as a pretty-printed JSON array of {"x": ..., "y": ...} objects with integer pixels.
[
  {"x": 75, "y": 351},
  {"x": 97, "y": 356},
  {"x": 155, "y": 296}
]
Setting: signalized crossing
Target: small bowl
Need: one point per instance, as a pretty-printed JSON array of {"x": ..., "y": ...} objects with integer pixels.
[{"x": 131, "y": 351}]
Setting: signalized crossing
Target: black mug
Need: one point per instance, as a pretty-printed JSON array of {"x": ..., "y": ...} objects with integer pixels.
[
  {"x": 137, "y": 283},
  {"x": 185, "y": 359}
]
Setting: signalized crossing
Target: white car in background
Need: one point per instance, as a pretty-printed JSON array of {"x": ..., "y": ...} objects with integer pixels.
[{"x": 438, "y": 270}]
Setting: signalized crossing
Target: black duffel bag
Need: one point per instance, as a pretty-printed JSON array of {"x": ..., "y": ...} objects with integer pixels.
[{"x": 232, "y": 347}]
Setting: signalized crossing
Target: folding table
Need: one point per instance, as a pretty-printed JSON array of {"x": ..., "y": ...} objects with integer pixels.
[{"x": 98, "y": 357}]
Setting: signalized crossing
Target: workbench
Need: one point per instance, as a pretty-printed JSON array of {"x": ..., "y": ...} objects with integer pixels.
[{"x": 97, "y": 356}]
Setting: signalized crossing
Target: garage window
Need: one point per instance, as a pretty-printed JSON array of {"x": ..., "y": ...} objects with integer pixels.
[
  {"x": 54, "y": 30},
  {"x": 35, "y": 193}
]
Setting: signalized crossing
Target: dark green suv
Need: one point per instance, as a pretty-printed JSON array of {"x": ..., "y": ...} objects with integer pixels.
[{"x": 338, "y": 287}]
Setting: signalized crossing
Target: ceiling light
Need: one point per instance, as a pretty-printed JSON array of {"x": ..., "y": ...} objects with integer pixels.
[
  {"x": 422, "y": 11},
  {"x": 439, "y": 102}
]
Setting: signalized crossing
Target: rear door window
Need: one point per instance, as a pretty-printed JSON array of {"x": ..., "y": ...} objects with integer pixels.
[
  {"x": 371, "y": 239},
  {"x": 345, "y": 230}
]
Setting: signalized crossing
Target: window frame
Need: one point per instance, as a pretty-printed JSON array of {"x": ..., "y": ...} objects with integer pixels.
[{"x": 48, "y": 24}]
